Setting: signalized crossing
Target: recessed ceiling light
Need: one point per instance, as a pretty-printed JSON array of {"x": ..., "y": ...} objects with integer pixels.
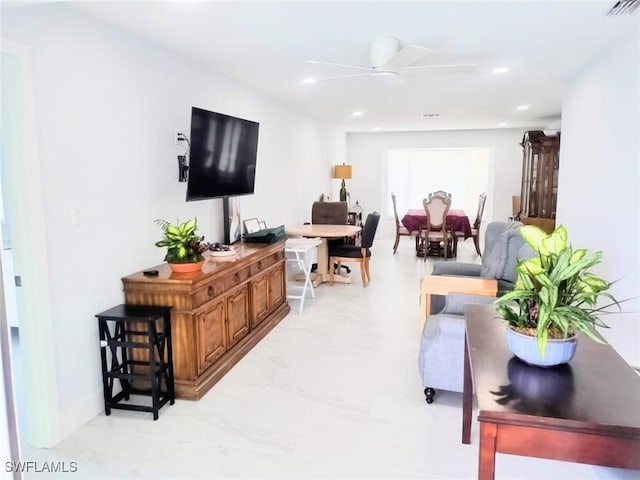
[
  {"x": 502, "y": 124},
  {"x": 310, "y": 80},
  {"x": 499, "y": 70},
  {"x": 376, "y": 128},
  {"x": 522, "y": 107},
  {"x": 430, "y": 115},
  {"x": 357, "y": 114}
]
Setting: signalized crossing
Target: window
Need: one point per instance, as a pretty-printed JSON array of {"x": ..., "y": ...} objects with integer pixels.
[{"x": 413, "y": 173}]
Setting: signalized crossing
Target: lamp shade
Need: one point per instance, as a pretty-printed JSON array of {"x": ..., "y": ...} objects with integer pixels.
[{"x": 342, "y": 171}]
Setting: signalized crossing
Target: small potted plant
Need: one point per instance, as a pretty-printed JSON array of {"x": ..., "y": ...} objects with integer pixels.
[
  {"x": 184, "y": 245},
  {"x": 555, "y": 297}
]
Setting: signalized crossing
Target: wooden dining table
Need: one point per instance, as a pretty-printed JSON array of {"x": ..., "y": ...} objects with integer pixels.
[{"x": 323, "y": 232}]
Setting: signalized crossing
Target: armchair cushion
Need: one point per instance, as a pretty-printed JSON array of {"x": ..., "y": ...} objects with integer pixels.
[
  {"x": 456, "y": 268},
  {"x": 502, "y": 244},
  {"x": 454, "y": 303}
]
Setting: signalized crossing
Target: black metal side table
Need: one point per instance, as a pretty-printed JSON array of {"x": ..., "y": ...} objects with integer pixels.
[{"x": 138, "y": 339}]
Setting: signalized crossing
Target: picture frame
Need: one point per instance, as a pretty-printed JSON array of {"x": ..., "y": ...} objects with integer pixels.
[
  {"x": 262, "y": 224},
  {"x": 251, "y": 225},
  {"x": 232, "y": 220}
]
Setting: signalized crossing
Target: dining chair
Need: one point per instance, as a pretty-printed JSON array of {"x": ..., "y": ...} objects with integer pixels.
[
  {"x": 355, "y": 253},
  {"x": 440, "y": 193},
  {"x": 475, "y": 228},
  {"x": 435, "y": 229},
  {"x": 401, "y": 230}
]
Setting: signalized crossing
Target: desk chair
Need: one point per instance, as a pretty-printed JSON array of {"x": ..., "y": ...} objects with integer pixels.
[{"x": 331, "y": 213}]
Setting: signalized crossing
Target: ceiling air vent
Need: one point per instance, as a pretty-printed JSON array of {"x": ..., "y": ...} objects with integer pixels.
[{"x": 624, "y": 7}]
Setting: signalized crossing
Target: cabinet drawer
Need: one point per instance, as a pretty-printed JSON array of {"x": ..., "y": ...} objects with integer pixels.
[
  {"x": 266, "y": 262},
  {"x": 235, "y": 279},
  {"x": 203, "y": 295}
]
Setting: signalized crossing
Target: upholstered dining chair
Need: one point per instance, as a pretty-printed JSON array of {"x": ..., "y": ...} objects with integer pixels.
[
  {"x": 435, "y": 230},
  {"x": 475, "y": 228},
  {"x": 440, "y": 193},
  {"x": 355, "y": 253},
  {"x": 401, "y": 230}
]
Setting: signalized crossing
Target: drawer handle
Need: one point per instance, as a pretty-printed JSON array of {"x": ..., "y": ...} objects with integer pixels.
[
  {"x": 236, "y": 277},
  {"x": 210, "y": 291}
]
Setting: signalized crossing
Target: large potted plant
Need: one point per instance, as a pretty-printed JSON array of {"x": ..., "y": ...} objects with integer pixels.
[
  {"x": 555, "y": 297},
  {"x": 184, "y": 245}
]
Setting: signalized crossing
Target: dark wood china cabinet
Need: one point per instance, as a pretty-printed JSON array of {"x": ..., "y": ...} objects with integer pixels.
[{"x": 539, "y": 191}]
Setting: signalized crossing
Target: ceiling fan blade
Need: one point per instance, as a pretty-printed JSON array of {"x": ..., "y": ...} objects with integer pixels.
[
  {"x": 405, "y": 57},
  {"x": 357, "y": 67},
  {"x": 453, "y": 65},
  {"x": 340, "y": 77}
]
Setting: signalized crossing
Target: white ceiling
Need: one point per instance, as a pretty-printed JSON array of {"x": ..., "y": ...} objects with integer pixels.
[{"x": 265, "y": 45}]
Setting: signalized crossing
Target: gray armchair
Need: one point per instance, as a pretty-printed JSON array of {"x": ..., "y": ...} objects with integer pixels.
[{"x": 441, "y": 354}]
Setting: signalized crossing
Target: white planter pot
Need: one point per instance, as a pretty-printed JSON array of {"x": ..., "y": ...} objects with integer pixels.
[{"x": 525, "y": 347}]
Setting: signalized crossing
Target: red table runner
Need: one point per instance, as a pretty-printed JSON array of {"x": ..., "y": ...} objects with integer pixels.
[{"x": 456, "y": 219}]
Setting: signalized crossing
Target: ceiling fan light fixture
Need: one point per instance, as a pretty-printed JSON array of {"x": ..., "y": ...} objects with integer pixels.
[
  {"x": 382, "y": 50},
  {"x": 384, "y": 74}
]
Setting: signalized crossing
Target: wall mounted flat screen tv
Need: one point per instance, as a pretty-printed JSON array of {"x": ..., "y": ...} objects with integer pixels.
[{"x": 223, "y": 155}]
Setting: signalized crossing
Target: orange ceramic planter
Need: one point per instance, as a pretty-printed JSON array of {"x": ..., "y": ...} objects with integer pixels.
[{"x": 186, "y": 267}]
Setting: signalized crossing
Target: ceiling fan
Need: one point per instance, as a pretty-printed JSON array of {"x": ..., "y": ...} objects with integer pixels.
[{"x": 388, "y": 60}]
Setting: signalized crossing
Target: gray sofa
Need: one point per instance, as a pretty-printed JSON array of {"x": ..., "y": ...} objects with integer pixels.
[{"x": 441, "y": 355}]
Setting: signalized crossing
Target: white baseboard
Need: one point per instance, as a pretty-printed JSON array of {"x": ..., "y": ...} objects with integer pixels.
[{"x": 78, "y": 414}]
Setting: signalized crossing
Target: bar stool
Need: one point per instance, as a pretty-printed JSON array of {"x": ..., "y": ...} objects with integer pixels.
[{"x": 138, "y": 338}]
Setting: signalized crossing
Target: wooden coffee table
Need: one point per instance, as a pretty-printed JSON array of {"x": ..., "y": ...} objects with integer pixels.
[{"x": 587, "y": 411}]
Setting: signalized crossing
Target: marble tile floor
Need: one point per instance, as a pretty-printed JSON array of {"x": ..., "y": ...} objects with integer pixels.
[{"x": 333, "y": 392}]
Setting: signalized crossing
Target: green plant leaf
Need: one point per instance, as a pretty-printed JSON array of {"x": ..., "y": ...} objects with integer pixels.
[
  {"x": 554, "y": 243},
  {"x": 541, "y": 337},
  {"x": 532, "y": 266},
  {"x": 577, "y": 255},
  {"x": 533, "y": 236}
]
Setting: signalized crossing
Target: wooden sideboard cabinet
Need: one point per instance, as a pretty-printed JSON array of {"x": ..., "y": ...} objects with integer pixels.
[
  {"x": 539, "y": 190},
  {"x": 218, "y": 314}
]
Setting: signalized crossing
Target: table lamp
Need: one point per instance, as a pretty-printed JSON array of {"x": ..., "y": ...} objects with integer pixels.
[{"x": 343, "y": 172}]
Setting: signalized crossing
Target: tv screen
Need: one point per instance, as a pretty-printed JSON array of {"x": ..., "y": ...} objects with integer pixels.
[{"x": 223, "y": 155}]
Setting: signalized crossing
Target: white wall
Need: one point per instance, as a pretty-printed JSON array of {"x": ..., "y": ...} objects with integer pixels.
[
  {"x": 106, "y": 108},
  {"x": 367, "y": 152},
  {"x": 599, "y": 179}
]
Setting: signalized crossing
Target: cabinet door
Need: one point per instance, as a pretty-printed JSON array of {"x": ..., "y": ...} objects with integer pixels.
[
  {"x": 259, "y": 299},
  {"x": 212, "y": 341},
  {"x": 237, "y": 315},
  {"x": 277, "y": 290}
]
